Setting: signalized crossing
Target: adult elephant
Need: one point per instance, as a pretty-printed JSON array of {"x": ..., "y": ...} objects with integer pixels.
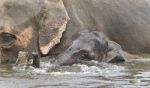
[
  {"x": 126, "y": 22},
  {"x": 36, "y": 24}
]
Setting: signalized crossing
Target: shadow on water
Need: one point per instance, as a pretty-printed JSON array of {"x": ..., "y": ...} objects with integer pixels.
[{"x": 134, "y": 74}]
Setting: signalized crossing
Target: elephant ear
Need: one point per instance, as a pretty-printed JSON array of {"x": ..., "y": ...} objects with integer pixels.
[{"x": 52, "y": 24}]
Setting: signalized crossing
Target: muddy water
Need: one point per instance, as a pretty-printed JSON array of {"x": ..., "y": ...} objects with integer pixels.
[{"x": 134, "y": 74}]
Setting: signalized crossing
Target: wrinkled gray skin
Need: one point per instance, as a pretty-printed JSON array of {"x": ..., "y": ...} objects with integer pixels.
[{"x": 91, "y": 46}]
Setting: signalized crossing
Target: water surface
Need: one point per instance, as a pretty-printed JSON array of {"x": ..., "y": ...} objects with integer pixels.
[{"x": 134, "y": 74}]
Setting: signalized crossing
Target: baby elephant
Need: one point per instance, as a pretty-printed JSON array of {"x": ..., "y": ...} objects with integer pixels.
[{"x": 91, "y": 46}]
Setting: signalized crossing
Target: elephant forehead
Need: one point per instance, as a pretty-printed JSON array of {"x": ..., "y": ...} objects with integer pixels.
[
  {"x": 92, "y": 40},
  {"x": 87, "y": 44}
]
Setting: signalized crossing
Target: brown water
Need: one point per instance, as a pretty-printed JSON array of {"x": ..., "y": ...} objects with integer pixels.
[{"x": 134, "y": 74}]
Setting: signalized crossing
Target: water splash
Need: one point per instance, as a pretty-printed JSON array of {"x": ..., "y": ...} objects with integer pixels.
[{"x": 97, "y": 69}]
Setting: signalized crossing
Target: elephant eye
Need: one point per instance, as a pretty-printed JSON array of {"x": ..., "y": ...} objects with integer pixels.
[
  {"x": 83, "y": 53},
  {"x": 86, "y": 55}
]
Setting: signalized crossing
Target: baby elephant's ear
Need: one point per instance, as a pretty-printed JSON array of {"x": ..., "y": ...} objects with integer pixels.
[{"x": 52, "y": 25}]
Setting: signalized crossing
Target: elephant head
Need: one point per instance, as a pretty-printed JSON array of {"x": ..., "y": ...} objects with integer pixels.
[
  {"x": 91, "y": 46},
  {"x": 37, "y": 24}
]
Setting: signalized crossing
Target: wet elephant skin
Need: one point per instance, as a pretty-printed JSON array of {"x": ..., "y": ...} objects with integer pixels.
[{"x": 91, "y": 46}]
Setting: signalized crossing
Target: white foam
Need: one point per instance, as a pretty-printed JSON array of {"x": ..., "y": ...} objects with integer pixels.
[
  {"x": 63, "y": 73},
  {"x": 103, "y": 70}
]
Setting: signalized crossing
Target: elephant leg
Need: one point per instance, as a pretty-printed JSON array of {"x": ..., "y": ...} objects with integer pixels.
[{"x": 36, "y": 59}]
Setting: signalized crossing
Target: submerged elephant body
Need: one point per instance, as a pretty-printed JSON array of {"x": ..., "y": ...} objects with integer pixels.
[{"x": 91, "y": 46}]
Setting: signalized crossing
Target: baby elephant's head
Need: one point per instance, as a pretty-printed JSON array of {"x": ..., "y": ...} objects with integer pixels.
[
  {"x": 91, "y": 46},
  {"x": 87, "y": 46}
]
